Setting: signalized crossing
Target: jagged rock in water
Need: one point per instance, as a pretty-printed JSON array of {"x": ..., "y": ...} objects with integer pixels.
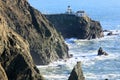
[
  {"x": 46, "y": 45},
  {"x": 110, "y": 33},
  {"x": 71, "y": 26},
  {"x": 101, "y": 52},
  {"x": 77, "y": 73},
  {"x": 3, "y": 75},
  {"x": 15, "y": 55}
]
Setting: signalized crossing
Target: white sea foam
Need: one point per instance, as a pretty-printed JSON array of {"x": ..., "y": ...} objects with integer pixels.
[
  {"x": 86, "y": 52},
  {"x": 55, "y": 77},
  {"x": 91, "y": 76}
]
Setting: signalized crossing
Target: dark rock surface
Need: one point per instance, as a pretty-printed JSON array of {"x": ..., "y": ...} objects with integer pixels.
[
  {"x": 78, "y": 27},
  {"x": 46, "y": 45},
  {"x": 101, "y": 52},
  {"x": 15, "y": 55},
  {"x": 109, "y": 34},
  {"x": 77, "y": 73}
]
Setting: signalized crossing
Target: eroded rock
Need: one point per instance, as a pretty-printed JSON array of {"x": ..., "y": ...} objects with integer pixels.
[
  {"x": 46, "y": 44},
  {"x": 71, "y": 26},
  {"x": 101, "y": 52},
  {"x": 15, "y": 55},
  {"x": 77, "y": 73},
  {"x": 3, "y": 75}
]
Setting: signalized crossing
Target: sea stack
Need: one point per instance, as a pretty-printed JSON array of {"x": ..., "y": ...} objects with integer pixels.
[
  {"x": 46, "y": 44},
  {"x": 77, "y": 73},
  {"x": 101, "y": 52}
]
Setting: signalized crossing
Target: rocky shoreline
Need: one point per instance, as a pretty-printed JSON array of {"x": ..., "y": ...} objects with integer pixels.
[{"x": 28, "y": 39}]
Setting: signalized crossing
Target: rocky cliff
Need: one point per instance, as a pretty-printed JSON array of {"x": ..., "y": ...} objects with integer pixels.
[
  {"x": 77, "y": 73},
  {"x": 15, "y": 57},
  {"x": 71, "y": 25},
  {"x": 46, "y": 45},
  {"x": 3, "y": 75}
]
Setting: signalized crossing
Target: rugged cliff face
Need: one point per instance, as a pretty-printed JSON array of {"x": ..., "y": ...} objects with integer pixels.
[
  {"x": 46, "y": 45},
  {"x": 3, "y": 75},
  {"x": 71, "y": 25},
  {"x": 15, "y": 58}
]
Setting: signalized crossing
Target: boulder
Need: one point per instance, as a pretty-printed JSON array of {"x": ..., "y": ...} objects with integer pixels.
[
  {"x": 46, "y": 44},
  {"x": 72, "y": 26},
  {"x": 101, "y": 52},
  {"x": 77, "y": 73},
  {"x": 15, "y": 56},
  {"x": 110, "y": 33}
]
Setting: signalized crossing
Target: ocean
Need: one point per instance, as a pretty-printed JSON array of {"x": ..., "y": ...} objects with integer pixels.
[{"x": 94, "y": 67}]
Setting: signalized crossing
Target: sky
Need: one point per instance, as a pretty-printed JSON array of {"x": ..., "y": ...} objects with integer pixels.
[{"x": 55, "y": 6}]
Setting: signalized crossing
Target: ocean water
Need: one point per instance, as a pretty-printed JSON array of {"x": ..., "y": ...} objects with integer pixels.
[{"x": 94, "y": 67}]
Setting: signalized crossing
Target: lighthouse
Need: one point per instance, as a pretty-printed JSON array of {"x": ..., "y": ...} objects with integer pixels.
[{"x": 69, "y": 10}]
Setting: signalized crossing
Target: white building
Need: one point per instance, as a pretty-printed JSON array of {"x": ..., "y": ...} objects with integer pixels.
[{"x": 81, "y": 13}]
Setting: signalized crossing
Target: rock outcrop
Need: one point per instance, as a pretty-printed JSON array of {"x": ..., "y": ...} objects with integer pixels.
[
  {"x": 109, "y": 34},
  {"x": 101, "y": 52},
  {"x": 15, "y": 56},
  {"x": 112, "y": 33},
  {"x": 46, "y": 45},
  {"x": 71, "y": 25},
  {"x": 77, "y": 73}
]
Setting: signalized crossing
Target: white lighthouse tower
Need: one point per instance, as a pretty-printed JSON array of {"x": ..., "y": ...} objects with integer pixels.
[{"x": 69, "y": 10}]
